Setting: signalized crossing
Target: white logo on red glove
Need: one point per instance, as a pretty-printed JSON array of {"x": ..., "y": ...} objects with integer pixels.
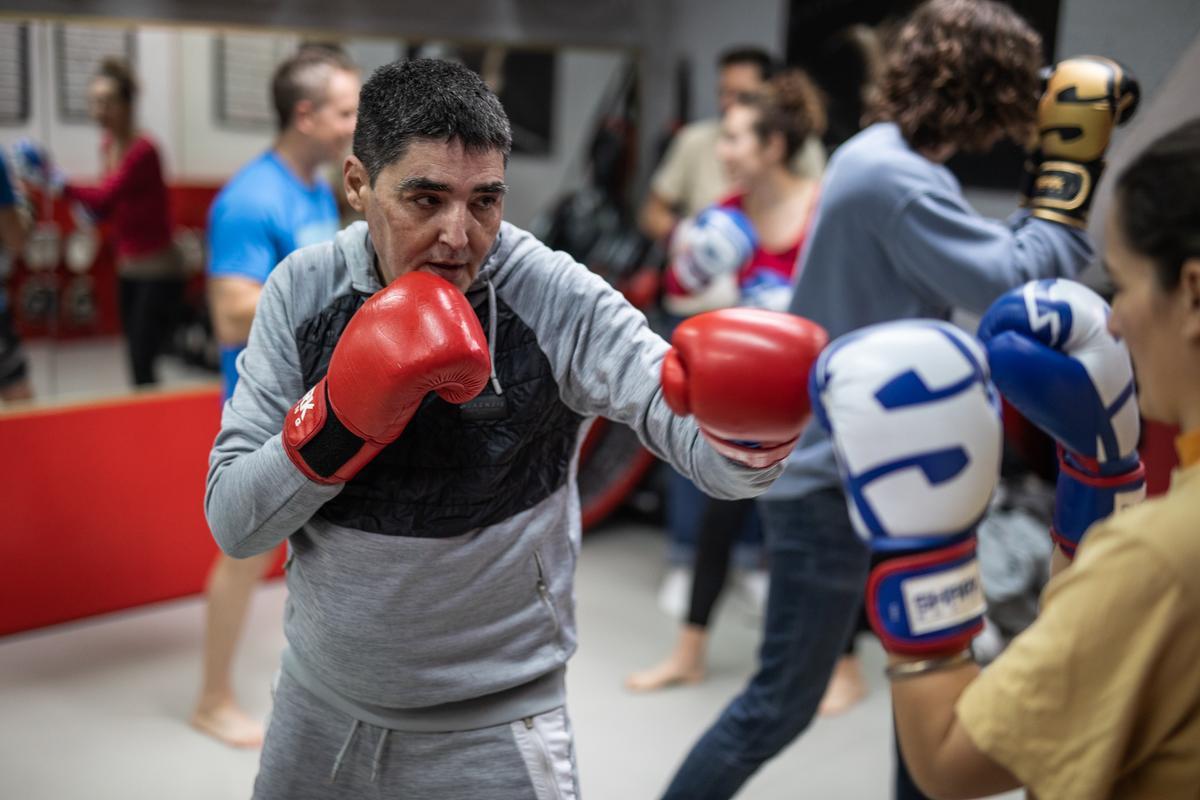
[{"x": 304, "y": 405}]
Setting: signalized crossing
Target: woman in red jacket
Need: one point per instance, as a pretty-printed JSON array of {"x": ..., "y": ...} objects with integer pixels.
[{"x": 133, "y": 197}]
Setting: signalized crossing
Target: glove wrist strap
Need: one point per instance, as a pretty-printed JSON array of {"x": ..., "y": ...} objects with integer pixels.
[
  {"x": 929, "y": 602},
  {"x": 1084, "y": 496},
  {"x": 1062, "y": 191},
  {"x": 319, "y": 443}
]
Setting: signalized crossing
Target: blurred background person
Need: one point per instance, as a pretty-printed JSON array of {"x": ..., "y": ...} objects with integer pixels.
[
  {"x": 689, "y": 179},
  {"x": 760, "y": 227},
  {"x": 14, "y": 232},
  {"x": 277, "y": 203},
  {"x": 894, "y": 238},
  {"x": 133, "y": 197}
]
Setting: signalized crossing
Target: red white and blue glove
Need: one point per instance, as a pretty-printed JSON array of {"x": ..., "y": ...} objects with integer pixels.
[
  {"x": 1053, "y": 358},
  {"x": 33, "y": 164},
  {"x": 916, "y": 429},
  {"x": 718, "y": 241}
]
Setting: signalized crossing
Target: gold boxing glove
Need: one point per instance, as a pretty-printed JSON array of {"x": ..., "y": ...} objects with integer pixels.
[{"x": 1084, "y": 99}]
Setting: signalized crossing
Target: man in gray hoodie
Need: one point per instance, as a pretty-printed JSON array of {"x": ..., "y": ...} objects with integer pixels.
[{"x": 430, "y": 575}]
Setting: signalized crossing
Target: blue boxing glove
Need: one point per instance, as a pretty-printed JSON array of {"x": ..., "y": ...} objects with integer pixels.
[
  {"x": 1053, "y": 358},
  {"x": 916, "y": 429},
  {"x": 33, "y": 164},
  {"x": 717, "y": 242}
]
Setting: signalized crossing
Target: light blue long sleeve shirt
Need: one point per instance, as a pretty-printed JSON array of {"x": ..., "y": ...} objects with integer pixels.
[{"x": 894, "y": 238}]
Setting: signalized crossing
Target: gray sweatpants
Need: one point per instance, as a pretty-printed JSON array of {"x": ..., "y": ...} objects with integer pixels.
[{"x": 315, "y": 752}]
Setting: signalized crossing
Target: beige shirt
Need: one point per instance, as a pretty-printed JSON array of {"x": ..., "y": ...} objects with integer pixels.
[
  {"x": 690, "y": 177},
  {"x": 1100, "y": 697}
]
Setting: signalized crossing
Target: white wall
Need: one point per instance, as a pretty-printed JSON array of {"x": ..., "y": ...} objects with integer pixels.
[
  {"x": 699, "y": 30},
  {"x": 176, "y": 72},
  {"x": 208, "y": 151},
  {"x": 703, "y": 29},
  {"x": 583, "y": 77}
]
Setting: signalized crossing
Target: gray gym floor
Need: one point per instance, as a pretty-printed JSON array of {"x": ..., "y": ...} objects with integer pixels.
[{"x": 97, "y": 709}]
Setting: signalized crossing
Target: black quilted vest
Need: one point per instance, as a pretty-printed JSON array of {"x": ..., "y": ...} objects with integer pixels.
[{"x": 450, "y": 471}]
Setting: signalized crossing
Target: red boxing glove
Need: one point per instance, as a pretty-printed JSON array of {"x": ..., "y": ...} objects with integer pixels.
[
  {"x": 743, "y": 373},
  {"x": 416, "y": 336}
]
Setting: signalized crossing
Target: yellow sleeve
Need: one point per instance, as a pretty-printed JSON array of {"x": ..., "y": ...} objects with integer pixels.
[{"x": 1059, "y": 708}]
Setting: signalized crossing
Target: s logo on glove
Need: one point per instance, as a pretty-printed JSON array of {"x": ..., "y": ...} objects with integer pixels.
[{"x": 1053, "y": 358}]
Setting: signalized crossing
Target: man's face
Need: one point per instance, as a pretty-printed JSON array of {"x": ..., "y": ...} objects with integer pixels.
[
  {"x": 436, "y": 210},
  {"x": 330, "y": 123},
  {"x": 735, "y": 80}
]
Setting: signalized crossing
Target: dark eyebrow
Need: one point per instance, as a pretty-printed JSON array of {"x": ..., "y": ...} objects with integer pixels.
[
  {"x": 421, "y": 185},
  {"x": 497, "y": 187},
  {"x": 427, "y": 185}
]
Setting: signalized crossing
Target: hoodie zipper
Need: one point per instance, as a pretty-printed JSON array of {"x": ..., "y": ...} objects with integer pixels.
[
  {"x": 547, "y": 759},
  {"x": 544, "y": 591}
]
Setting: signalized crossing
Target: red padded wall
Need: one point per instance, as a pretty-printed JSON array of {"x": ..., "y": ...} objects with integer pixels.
[{"x": 103, "y": 506}]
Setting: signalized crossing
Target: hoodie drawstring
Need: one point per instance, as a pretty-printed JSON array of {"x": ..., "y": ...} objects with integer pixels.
[
  {"x": 376, "y": 760},
  {"x": 337, "y": 762},
  {"x": 378, "y": 753},
  {"x": 492, "y": 335}
]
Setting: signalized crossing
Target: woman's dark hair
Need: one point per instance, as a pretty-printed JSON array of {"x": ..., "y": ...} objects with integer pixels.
[
  {"x": 426, "y": 99},
  {"x": 791, "y": 105},
  {"x": 959, "y": 72},
  {"x": 1158, "y": 200},
  {"x": 117, "y": 70}
]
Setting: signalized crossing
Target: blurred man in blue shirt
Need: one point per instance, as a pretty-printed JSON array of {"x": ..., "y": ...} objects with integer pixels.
[{"x": 275, "y": 204}]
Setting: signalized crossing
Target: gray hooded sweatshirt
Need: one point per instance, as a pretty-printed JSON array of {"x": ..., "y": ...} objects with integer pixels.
[{"x": 434, "y": 591}]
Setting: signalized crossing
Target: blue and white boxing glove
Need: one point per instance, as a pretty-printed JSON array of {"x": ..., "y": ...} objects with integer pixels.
[
  {"x": 1053, "y": 358},
  {"x": 916, "y": 429},
  {"x": 34, "y": 165},
  {"x": 717, "y": 242}
]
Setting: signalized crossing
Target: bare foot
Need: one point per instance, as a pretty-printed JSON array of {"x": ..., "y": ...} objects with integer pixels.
[
  {"x": 228, "y": 724},
  {"x": 846, "y": 688},
  {"x": 671, "y": 672}
]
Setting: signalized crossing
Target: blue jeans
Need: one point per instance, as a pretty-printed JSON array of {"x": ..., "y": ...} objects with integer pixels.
[{"x": 818, "y": 572}]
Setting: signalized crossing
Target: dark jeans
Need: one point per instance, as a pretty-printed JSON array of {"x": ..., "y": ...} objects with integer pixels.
[
  {"x": 723, "y": 521},
  {"x": 149, "y": 312},
  {"x": 818, "y": 572}
]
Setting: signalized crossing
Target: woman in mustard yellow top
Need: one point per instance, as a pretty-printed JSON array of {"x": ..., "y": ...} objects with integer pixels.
[{"x": 1100, "y": 697}]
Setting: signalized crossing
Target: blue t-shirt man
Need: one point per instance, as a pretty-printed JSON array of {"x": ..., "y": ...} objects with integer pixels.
[{"x": 259, "y": 217}]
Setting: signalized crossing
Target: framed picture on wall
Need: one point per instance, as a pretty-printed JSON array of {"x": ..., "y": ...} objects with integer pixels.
[
  {"x": 14, "y": 73},
  {"x": 79, "y": 49},
  {"x": 243, "y": 64}
]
